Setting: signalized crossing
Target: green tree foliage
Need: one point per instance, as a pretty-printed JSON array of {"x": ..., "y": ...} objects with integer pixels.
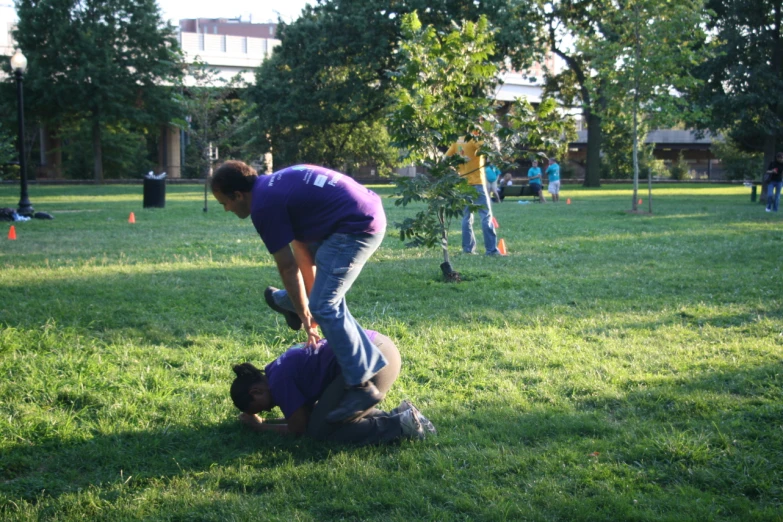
[
  {"x": 645, "y": 60},
  {"x": 128, "y": 152},
  {"x": 679, "y": 169},
  {"x": 521, "y": 130},
  {"x": 737, "y": 162},
  {"x": 742, "y": 89},
  {"x": 624, "y": 58},
  {"x": 104, "y": 62},
  {"x": 441, "y": 93},
  {"x": 8, "y": 154},
  {"x": 570, "y": 26},
  {"x": 214, "y": 115},
  {"x": 441, "y": 89},
  {"x": 327, "y": 85}
]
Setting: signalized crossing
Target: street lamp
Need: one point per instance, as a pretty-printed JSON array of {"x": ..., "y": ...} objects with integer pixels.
[{"x": 18, "y": 65}]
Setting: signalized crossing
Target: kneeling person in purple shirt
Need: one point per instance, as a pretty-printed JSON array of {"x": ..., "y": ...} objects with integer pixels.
[
  {"x": 306, "y": 383},
  {"x": 321, "y": 227}
]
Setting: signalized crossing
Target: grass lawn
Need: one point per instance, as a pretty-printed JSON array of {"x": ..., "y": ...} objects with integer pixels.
[{"x": 612, "y": 367}]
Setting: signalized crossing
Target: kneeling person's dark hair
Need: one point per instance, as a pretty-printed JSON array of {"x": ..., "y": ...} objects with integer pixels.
[{"x": 247, "y": 376}]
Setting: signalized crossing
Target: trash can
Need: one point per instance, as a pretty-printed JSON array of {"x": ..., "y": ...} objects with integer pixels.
[{"x": 154, "y": 193}]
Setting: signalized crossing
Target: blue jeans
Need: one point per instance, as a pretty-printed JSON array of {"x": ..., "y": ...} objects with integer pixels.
[
  {"x": 773, "y": 203},
  {"x": 338, "y": 260},
  {"x": 487, "y": 228}
]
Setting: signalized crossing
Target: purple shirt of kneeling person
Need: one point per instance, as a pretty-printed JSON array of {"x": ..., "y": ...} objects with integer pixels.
[{"x": 306, "y": 383}]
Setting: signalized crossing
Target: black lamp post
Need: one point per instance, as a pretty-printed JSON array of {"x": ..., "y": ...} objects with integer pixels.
[{"x": 18, "y": 65}]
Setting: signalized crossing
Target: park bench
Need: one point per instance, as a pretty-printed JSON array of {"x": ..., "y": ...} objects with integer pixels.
[{"x": 518, "y": 191}]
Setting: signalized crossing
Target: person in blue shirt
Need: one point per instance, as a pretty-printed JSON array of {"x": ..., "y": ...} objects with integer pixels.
[
  {"x": 493, "y": 173},
  {"x": 553, "y": 173},
  {"x": 534, "y": 180}
]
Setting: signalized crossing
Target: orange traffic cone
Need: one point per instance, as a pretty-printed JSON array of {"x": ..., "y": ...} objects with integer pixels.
[
  {"x": 495, "y": 222},
  {"x": 502, "y": 247},
  {"x": 131, "y": 218},
  {"x": 12, "y": 232},
  {"x": 568, "y": 201}
]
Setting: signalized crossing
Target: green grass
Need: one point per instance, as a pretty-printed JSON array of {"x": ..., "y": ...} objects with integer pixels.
[{"x": 612, "y": 367}]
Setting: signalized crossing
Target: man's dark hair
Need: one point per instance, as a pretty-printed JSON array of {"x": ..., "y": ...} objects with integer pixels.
[
  {"x": 234, "y": 176},
  {"x": 247, "y": 376}
]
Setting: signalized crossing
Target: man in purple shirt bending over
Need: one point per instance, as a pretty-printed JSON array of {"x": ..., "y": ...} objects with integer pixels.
[{"x": 321, "y": 227}]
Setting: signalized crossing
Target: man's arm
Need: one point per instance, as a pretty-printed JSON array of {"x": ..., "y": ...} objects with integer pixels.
[
  {"x": 295, "y": 286},
  {"x": 306, "y": 264}
]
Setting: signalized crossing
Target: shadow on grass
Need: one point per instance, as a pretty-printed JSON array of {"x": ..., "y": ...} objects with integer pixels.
[
  {"x": 714, "y": 436},
  {"x": 55, "y": 466}
]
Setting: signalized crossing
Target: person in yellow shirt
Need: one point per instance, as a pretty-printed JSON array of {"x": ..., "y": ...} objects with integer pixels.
[{"x": 473, "y": 171}]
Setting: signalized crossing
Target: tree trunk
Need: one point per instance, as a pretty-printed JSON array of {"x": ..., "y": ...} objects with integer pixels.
[
  {"x": 449, "y": 274},
  {"x": 444, "y": 241},
  {"x": 97, "y": 151},
  {"x": 594, "y": 136},
  {"x": 635, "y": 156}
]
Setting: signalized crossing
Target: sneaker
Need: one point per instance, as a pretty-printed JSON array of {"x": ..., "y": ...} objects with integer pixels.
[
  {"x": 357, "y": 400},
  {"x": 291, "y": 318},
  {"x": 428, "y": 426},
  {"x": 411, "y": 425},
  {"x": 407, "y": 405},
  {"x": 404, "y": 406},
  {"x": 769, "y": 210}
]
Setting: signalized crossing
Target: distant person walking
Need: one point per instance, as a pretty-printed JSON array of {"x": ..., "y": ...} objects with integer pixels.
[
  {"x": 775, "y": 171},
  {"x": 553, "y": 174}
]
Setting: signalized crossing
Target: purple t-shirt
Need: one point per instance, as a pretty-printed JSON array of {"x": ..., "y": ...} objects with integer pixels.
[
  {"x": 310, "y": 203},
  {"x": 299, "y": 376}
]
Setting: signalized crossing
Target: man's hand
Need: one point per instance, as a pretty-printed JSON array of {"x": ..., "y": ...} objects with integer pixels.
[
  {"x": 311, "y": 327},
  {"x": 250, "y": 419}
]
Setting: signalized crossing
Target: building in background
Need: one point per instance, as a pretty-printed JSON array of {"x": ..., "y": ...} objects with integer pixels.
[{"x": 229, "y": 45}]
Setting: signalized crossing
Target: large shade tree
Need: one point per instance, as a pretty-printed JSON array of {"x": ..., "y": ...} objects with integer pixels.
[
  {"x": 105, "y": 62},
  {"x": 623, "y": 57},
  {"x": 742, "y": 89},
  {"x": 570, "y": 27},
  {"x": 323, "y": 95},
  {"x": 644, "y": 65},
  {"x": 441, "y": 95}
]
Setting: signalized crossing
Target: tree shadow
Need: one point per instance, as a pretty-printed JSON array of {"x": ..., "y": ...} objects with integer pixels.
[
  {"x": 54, "y": 466},
  {"x": 667, "y": 440}
]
